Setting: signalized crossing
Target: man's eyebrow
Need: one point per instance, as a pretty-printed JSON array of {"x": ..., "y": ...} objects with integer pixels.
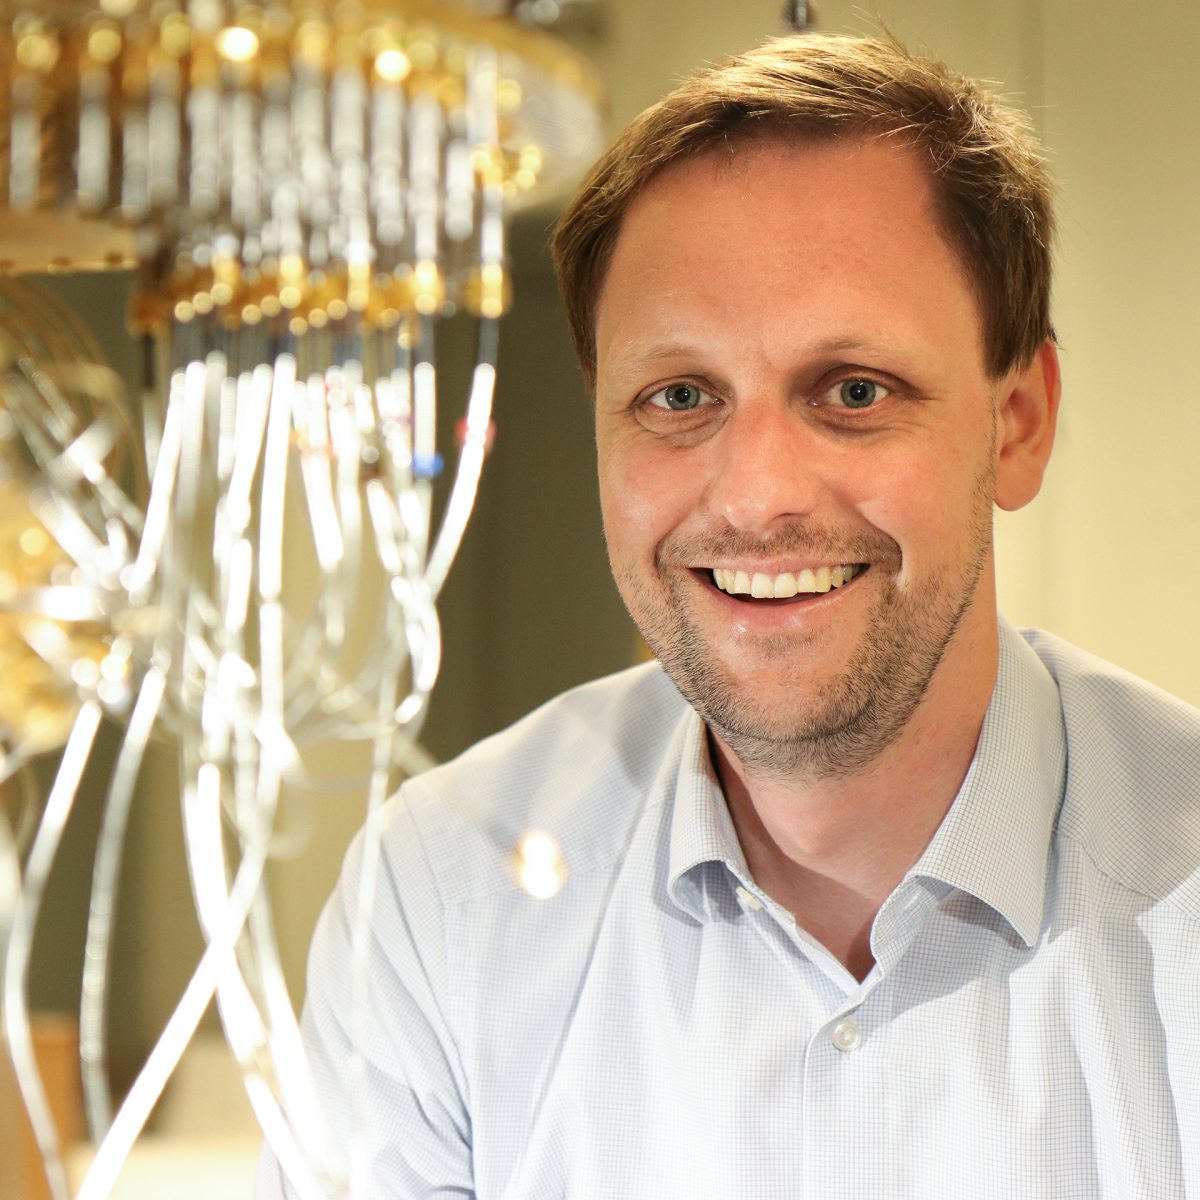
[
  {"x": 655, "y": 352},
  {"x": 841, "y": 345}
]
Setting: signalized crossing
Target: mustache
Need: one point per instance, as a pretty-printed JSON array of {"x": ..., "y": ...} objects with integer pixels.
[{"x": 800, "y": 539}]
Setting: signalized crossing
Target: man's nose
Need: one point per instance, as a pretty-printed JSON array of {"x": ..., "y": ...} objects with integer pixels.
[{"x": 768, "y": 468}]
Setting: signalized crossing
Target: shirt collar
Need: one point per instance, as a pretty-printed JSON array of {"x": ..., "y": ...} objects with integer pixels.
[
  {"x": 701, "y": 827},
  {"x": 994, "y": 841}
]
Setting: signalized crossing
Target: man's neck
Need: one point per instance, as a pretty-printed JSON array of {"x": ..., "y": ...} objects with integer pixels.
[{"x": 831, "y": 850}]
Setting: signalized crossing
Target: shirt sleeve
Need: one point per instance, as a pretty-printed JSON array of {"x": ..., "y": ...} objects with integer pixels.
[{"x": 416, "y": 1121}]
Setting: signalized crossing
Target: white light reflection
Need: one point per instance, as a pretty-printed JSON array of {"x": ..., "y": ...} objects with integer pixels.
[{"x": 540, "y": 867}]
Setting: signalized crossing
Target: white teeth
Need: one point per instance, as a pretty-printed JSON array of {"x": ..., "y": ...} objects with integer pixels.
[{"x": 782, "y": 587}]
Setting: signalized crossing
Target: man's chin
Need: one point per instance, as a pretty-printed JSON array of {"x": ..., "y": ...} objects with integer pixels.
[
  {"x": 782, "y": 721},
  {"x": 804, "y": 720},
  {"x": 830, "y": 743}
]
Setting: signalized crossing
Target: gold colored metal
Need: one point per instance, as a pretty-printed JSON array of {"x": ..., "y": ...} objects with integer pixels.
[
  {"x": 239, "y": 297},
  {"x": 417, "y": 45},
  {"x": 488, "y": 292},
  {"x": 104, "y": 43},
  {"x": 41, "y": 241}
]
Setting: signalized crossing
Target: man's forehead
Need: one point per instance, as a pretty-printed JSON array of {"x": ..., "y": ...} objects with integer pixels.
[
  {"x": 749, "y": 168},
  {"x": 805, "y": 195},
  {"x": 835, "y": 232}
]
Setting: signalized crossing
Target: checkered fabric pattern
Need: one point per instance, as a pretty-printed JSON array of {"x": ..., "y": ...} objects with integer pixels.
[{"x": 661, "y": 1028}]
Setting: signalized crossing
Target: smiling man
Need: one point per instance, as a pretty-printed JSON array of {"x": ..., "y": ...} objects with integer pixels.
[
  {"x": 869, "y": 895},
  {"x": 800, "y": 443}
]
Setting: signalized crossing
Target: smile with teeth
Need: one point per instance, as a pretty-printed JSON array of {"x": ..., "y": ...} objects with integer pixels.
[{"x": 761, "y": 586}]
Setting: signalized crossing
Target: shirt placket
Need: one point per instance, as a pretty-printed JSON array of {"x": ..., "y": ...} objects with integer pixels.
[{"x": 843, "y": 1080}]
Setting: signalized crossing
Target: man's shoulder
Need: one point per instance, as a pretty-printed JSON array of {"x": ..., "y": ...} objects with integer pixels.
[
  {"x": 580, "y": 766},
  {"x": 1132, "y": 800},
  {"x": 614, "y": 723},
  {"x": 1121, "y": 716}
]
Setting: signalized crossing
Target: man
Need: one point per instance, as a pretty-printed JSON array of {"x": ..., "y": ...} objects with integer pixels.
[{"x": 868, "y": 894}]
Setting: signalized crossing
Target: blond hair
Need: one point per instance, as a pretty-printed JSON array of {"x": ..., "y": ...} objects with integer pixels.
[{"x": 988, "y": 169}]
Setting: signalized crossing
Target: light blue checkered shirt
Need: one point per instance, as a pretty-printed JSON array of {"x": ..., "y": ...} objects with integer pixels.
[{"x": 661, "y": 1028}]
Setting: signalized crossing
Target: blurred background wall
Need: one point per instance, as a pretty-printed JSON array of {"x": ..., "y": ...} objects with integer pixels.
[{"x": 1107, "y": 556}]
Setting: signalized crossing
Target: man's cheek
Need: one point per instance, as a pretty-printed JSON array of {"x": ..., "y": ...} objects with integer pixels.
[{"x": 637, "y": 500}]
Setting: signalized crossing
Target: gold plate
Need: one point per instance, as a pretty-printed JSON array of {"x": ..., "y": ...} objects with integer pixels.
[{"x": 41, "y": 240}]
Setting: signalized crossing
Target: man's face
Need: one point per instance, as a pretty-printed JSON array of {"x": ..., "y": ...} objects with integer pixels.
[{"x": 791, "y": 389}]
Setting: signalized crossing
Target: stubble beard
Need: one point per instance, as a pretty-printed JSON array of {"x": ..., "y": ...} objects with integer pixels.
[{"x": 839, "y": 730}]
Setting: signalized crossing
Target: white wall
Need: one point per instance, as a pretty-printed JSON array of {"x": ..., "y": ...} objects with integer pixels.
[{"x": 1122, "y": 521}]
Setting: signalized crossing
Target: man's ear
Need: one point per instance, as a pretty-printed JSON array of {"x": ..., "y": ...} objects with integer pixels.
[{"x": 1026, "y": 414}]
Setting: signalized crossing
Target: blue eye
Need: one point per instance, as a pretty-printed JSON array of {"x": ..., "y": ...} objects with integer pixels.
[
  {"x": 860, "y": 393},
  {"x": 679, "y": 397}
]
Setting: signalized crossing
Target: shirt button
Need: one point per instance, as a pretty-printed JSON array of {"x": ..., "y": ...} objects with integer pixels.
[
  {"x": 846, "y": 1036},
  {"x": 748, "y": 899}
]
